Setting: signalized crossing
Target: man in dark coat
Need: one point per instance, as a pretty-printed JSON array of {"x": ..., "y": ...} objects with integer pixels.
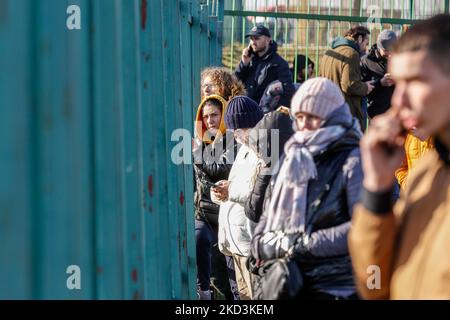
[
  {"x": 374, "y": 67},
  {"x": 261, "y": 65}
]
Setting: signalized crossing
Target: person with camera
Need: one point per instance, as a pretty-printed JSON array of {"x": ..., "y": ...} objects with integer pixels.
[
  {"x": 309, "y": 203},
  {"x": 261, "y": 65}
]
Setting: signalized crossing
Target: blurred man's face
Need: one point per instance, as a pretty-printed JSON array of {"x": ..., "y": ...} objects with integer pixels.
[
  {"x": 422, "y": 92},
  {"x": 384, "y": 53},
  {"x": 362, "y": 43},
  {"x": 259, "y": 43}
]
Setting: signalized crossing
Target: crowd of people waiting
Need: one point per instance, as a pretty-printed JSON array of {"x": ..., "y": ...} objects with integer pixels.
[{"x": 312, "y": 170}]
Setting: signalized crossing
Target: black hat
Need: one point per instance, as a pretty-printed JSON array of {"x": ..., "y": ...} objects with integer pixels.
[
  {"x": 259, "y": 30},
  {"x": 386, "y": 39},
  {"x": 242, "y": 112}
]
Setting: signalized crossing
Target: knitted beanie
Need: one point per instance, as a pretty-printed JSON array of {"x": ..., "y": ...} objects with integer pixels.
[
  {"x": 242, "y": 113},
  {"x": 317, "y": 96},
  {"x": 386, "y": 39}
]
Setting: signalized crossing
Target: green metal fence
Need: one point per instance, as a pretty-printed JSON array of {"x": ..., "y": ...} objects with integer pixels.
[
  {"x": 308, "y": 26},
  {"x": 86, "y": 118}
]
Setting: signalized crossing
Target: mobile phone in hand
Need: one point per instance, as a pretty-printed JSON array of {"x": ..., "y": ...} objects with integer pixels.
[{"x": 250, "y": 50}]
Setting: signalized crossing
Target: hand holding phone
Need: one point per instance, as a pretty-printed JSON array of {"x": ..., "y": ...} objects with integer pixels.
[
  {"x": 370, "y": 86},
  {"x": 247, "y": 54},
  {"x": 250, "y": 50}
]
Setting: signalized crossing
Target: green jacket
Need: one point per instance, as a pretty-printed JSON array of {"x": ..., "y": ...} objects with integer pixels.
[{"x": 341, "y": 64}]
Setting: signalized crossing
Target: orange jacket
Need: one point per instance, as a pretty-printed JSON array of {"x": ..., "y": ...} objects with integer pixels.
[{"x": 414, "y": 150}]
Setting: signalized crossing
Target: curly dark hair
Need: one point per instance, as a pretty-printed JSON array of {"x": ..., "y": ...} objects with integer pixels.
[
  {"x": 227, "y": 83},
  {"x": 357, "y": 31}
]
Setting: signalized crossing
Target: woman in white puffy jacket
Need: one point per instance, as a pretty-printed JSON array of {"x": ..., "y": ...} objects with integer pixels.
[{"x": 235, "y": 229}]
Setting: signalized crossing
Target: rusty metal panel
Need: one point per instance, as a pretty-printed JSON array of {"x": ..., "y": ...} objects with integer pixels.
[{"x": 86, "y": 122}]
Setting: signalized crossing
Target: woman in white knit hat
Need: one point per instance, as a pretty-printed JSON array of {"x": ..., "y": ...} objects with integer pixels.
[{"x": 309, "y": 202}]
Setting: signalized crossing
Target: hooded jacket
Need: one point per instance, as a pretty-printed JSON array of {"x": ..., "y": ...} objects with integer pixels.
[
  {"x": 262, "y": 71},
  {"x": 374, "y": 67},
  {"x": 341, "y": 64},
  {"x": 200, "y": 128},
  {"x": 261, "y": 138},
  {"x": 208, "y": 169}
]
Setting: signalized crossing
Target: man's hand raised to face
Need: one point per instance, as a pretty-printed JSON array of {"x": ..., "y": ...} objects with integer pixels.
[{"x": 382, "y": 151}]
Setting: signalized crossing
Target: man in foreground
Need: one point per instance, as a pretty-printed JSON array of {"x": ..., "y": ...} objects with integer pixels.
[{"x": 406, "y": 247}]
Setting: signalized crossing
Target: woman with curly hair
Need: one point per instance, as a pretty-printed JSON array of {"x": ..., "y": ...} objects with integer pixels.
[{"x": 220, "y": 81}]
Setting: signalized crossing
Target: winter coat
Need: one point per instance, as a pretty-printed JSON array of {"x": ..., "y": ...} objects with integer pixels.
[
  {"x": 235, "y": 229},
  {"x": 276, "y": 120},
  {"x": 374, "y": 67},
  {"x": 207, "y": 171},
  {"x": 405, "y": 250},
  {"x": 325, "y": 262},
  {"x": 261, "y": 71},
  {"x": 341, "y": 64}
]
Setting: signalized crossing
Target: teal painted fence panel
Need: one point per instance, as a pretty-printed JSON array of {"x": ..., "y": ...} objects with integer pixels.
[
  {"x": 62, "y": 220},
  {"x": 86, "y": 127},
  {"x": 108, "y": 149},
  {"x": 16, "y": 196}
]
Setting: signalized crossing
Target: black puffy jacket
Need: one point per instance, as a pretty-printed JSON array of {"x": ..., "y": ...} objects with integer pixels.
[{"x": 261, "y": 71}]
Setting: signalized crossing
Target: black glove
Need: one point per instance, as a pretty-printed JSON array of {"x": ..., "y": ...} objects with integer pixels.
[{"x": 302, "y": 247}]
